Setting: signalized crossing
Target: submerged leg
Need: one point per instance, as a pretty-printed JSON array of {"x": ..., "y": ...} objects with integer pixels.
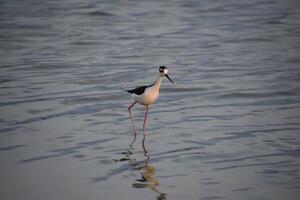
[
  {"x": 144, "y": 130},
  {"x": 134, "y": 130}
]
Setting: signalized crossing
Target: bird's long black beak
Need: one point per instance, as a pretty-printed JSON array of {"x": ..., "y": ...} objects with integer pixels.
[{"x": 169, "y": 78}]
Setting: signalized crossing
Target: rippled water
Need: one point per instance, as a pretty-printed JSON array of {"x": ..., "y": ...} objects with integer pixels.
[{"x": 228, "y": 129}]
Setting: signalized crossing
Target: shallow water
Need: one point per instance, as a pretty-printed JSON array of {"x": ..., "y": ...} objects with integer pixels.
[{"x": 228, "y": 128}]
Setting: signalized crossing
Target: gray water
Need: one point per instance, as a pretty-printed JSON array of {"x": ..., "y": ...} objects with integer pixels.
[{"x": 227, "y": 129}]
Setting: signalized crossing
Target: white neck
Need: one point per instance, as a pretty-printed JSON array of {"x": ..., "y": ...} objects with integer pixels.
[{"x": 158, "y": 82}]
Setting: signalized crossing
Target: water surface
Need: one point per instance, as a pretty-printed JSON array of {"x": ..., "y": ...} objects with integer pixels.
[{"x": 228, "y": 128}]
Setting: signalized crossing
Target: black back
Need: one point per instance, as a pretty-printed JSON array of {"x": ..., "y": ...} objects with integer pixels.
[{"x": 139, "y": 90}]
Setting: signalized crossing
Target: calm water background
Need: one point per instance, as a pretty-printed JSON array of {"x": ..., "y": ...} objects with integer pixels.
[{"x": 228, "y": 129}]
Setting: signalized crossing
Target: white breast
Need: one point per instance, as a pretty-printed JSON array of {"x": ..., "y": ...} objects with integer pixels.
[{"x": 148, "y": 97}]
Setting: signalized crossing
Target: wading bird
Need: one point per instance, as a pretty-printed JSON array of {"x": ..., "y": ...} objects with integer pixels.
[{"x": 146, "y": 95}]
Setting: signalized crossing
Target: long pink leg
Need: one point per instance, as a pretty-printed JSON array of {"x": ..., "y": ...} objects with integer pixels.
[
  {"x": 144, "y": 131},
  {"x": 134, "y": 130}
]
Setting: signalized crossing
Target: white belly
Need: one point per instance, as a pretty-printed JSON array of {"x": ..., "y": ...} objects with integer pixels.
[{"x": 148, "y": 97}]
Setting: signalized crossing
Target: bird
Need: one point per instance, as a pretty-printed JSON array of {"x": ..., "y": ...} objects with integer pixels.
[{"x": 146, "y": 95}]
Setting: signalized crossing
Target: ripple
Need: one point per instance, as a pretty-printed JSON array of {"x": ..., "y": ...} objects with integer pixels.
[
  {"x": 260, "y": 95},
  {"x": 12, "y": 147},
  {"x": 231, "y": 160},
  {"x": 243, "y": 189},
  {"x": 254, "y": 164},
  {"x": 212, "y": 197},
  {"x": 100, "y": 13},
  {"x": 66, "y": 151},
  {"x": 183, "y": 89}
]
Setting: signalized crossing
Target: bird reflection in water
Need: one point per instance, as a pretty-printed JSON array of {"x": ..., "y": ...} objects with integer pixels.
[{"x": 148, "y": 178}]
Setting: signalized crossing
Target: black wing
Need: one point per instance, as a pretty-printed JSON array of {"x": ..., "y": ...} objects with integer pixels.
[{"x": 138, "y": 91}]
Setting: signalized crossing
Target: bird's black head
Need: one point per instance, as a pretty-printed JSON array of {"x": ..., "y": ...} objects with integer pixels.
[{"x": 163, "y": 70}]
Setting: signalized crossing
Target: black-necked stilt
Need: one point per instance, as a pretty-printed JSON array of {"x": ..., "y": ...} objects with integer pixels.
[{"x": 146, "y": 95}]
